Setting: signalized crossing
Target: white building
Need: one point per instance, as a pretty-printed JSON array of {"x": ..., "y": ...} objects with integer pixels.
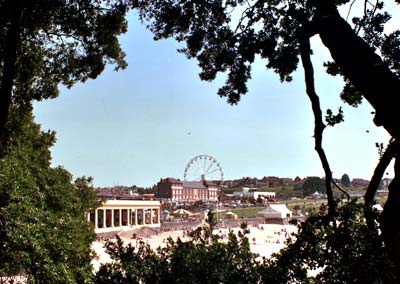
[
  {"x": 125, "y": 215},
  {"x": 251, "y": 192},
  {"x": 276, "y": 211}
]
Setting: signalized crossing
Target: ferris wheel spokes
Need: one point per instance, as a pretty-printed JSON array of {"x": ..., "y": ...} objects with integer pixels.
[{"x": 203, "y": 168}]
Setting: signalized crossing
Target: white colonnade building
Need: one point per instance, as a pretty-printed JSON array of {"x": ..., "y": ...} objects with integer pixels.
[{"x": 125, "y": 215}]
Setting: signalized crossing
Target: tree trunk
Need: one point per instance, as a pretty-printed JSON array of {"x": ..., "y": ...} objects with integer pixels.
[
  {"x": 8, "y": 72},
  {"x": 390, "y": 220},
  {"x": 319, "y": 125},
  {"x": 365, "y": 69},
  {"x": 373, "y": 186}
]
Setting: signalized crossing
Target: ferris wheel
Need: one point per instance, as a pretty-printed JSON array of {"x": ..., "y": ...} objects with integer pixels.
[{"x": 203, "y": 168}]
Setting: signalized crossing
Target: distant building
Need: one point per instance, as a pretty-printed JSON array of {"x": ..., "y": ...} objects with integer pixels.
[
  {"x": 386, "y": 182},
  {"x": 274, "y": 181},
  {"x": 186, "y": 191},
  {"x": 359, "y": 182},
  {"x": 286, "y": 181},
  {"x": 266, "y": 181},
  {"x": 251, "y": 192},
  {"x": 276, "y": 213},
  {"x": 118, "y": 192},
  {"x": 125, "y": 215},
  {"x": 316, "y": 195},
  {"x": 250, "y": 181}
]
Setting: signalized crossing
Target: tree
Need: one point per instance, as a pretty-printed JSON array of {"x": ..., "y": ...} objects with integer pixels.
[
  {"x": 43, "y": 44},
  {"x": 47, "y": 43},
  {"x": 348, "y": 252},
  {"x": 279, "y": 32},
  {"x": 313, "y": 184},
  {"x": 203, "y": 259},
  {"x": 46, "y": 236},
  {"x": 345, "y": 181}
]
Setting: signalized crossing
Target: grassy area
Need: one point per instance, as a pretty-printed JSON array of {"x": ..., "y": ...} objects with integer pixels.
[
  {"x": 305, "y": 203},
  {"x": 245, "y": 212},
  {"x": 248, "y": 212}
]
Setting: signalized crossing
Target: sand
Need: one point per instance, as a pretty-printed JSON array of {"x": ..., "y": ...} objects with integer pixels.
[{"x": 265, "y": 240}]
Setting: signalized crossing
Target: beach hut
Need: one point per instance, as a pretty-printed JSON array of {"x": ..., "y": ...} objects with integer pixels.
[{"x": 276, "y": 213}]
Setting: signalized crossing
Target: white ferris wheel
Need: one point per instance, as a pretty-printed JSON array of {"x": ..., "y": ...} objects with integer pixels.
[{"x": 204, "y": 168}]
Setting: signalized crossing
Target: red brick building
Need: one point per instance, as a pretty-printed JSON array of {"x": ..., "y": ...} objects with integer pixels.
[{"x": 186, "y": 191}]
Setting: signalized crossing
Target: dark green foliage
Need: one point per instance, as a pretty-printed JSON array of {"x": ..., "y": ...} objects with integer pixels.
[
  {"x": 345, "y": 181},
  {"x": 204, "y": 259},
  {"x": 347, "y": 250},
  {"x": 351, "y": 95},
  {"x": 46, "y": 236},
  {"x": 45, "y": 43},
  {"x": 391, "y": 50},
  {"x": 313, "y": 184},
  {"x": 212, "y": 220},
  {"x": 62, "y": 42},
  {"x": 221, "y": 45},
  {"x": 333, "y": 119},
  {"x": 226, "y": 36},
  {"x": 43, "y": 232}
]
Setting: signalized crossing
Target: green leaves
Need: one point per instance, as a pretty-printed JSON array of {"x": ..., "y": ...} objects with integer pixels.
[
  {"x": 46, "y": 236},
  {"x": 313, "y": 184},
  {"x": 226, "y": 36},
  {"x": 63, "y": 43},
  {"x": 203, "y": 259},
  {"x": 344, "y": 251},
  {"x": 333, "y": 119}
]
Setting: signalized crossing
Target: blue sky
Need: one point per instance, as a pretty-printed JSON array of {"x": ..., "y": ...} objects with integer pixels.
[{"x": 146, "y": 122}]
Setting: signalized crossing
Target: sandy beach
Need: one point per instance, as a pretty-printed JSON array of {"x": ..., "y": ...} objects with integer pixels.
[{"x": 265, "y": 239}]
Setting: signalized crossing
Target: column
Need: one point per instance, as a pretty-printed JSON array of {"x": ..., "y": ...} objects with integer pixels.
[
  {"x": 112, "y": 218},
  {"x": 104, "y": 218},
  {"x": 95, "y": 219}
]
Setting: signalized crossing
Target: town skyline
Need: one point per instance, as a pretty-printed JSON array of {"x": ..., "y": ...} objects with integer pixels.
[{"x": 228, "y": 182}]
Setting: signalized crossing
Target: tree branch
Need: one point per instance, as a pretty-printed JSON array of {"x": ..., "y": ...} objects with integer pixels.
[
  {"x": 247, "y": 11},
  {"x": 362, "y": 66},
  {"x": 305, "y": 52},
  {"x": 373, "y": 185},
  {"x": 389, "y": 219},
  {"x": 341, "y": 189}
]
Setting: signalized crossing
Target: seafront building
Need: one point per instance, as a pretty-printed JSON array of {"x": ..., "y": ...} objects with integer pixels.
[
  {"x": 253, "y": 193},
  {"x": 276, "y": 214},
  {"x": 186, "y": 192},
  {"x": 125, "y": 215}
]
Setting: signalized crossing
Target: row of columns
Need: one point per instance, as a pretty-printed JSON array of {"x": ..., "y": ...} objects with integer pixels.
[{"x": 123, "y": 217}]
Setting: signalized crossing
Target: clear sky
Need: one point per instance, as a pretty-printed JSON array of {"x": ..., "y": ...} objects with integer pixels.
[{"x": 146, "y": 122}]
